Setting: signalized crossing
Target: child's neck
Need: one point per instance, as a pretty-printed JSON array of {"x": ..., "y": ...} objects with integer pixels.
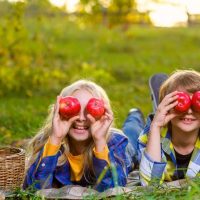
[
  {"x": 77, "y": 148},
  {"x": 184, "y": 142}
]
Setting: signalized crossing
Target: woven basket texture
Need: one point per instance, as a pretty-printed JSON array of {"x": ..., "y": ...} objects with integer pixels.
[{"x": 12, "y": 168}]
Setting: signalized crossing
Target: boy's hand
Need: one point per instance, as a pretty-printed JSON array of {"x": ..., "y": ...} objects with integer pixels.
[{"x": 164, "y": 113}]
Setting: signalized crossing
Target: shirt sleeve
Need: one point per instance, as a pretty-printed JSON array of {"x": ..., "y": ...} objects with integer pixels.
[
  {"x": 103, "y": 155},
  {"x": 41, "y": 172},
  {"x": 115, "y": 173},
  {"x": 149, "y": 169},
  {"x": 50, "y": 149}
]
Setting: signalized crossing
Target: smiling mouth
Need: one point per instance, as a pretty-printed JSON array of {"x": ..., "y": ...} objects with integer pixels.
[
  {"x": 188, "y": 120},
  {"x": 78, "y": 127}
]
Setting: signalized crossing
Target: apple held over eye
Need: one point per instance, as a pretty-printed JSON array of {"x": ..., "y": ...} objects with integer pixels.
[
  {"x": 196, "y": 101},
  {"x": 95, "y": 107},
  {"x": 69, "y": 107},
  {"x": 184, "y": 102}
]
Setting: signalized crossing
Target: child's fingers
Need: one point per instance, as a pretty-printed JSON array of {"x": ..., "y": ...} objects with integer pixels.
[
  {"x": 108, "y": 116},
  {"x": 170, "y": 116},
  {"x": 168, "y": 102},
  {"x": 107, "y": 109},
  {"x": 169, "y": 98},
  {"x": 91, "y": 118},
  {"x": 170, "y": 106},
  {"x": 72, "y": 119},
  {"x": 172, "y": 94},
  {"x": 56, "y": 106},
  {"x": 109, "y": 119}
]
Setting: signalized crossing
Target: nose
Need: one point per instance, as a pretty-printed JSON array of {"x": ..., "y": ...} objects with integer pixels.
[
  {"x": 82, "y": 116},
  {"x": 189, "y": 111}
]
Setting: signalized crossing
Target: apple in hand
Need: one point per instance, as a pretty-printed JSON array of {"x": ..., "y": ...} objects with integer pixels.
[
  {"x": 196, "y": 101},
  {"x": 184, "y": 102},
  {"x": 95, "y": 107},
  {"x": 69, "y": 106}
]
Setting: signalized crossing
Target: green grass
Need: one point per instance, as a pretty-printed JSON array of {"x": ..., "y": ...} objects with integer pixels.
[
  {"x": 190, "y": 192},
  {"x": 21, "y": 117},
  {"x": 40, "y": 55},
  {"x": 57, "y": 53},
  {"x": 52, "y": 52},
  {"x": 156, "y": 192}
]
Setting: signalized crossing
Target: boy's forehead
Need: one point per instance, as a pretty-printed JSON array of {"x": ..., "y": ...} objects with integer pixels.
[{"x": 189, "y": 90}]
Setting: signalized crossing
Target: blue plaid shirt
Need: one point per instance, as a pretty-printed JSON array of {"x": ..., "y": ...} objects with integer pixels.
[
  {"x": 167, "y": 169},
  {"x": 46, "y": 174}
]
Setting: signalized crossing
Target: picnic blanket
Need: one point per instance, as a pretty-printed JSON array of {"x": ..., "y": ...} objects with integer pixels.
[
  {"x": 78, "y": 192},
  {"x": 2, "y": 195}
]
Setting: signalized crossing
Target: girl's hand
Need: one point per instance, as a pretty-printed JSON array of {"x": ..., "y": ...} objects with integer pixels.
[
  {"x": 99, "y": 128},
  {"x": 60, "y": 126},
  {"x": 163, "y": 114}
]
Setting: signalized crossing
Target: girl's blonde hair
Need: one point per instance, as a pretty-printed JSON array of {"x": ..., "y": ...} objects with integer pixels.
[
  {"x": 38, "y": 142},
  {"x": 189, "y": 80}
]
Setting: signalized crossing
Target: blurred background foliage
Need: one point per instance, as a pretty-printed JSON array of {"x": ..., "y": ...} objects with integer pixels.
[{"x": 43, "y": 49}]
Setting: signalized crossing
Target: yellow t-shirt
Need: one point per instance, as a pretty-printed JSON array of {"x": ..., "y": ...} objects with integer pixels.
[
  {"x": 76, "y": 162},
  {"x": 76, "y": 166}
]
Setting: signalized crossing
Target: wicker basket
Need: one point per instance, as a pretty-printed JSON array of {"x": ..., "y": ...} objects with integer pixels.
[{"x": 12, "y": 168}]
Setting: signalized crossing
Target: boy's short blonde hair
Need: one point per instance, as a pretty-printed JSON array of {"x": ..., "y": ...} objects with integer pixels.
[{"x": 187, "y": 79}]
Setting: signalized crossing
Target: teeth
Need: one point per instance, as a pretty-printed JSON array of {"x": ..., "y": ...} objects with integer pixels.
[
  {"x": 186, "y": 119},
  {"x": 80, "y": 127}
]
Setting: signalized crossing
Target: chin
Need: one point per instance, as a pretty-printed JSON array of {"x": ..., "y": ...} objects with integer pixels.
[
  {"x": 186, "y": 125},
  {"x": 78, "y": 135},
  {"x": 188, "y": 128}
]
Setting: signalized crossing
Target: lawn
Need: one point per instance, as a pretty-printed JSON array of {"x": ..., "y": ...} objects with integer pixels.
[
  {"x": 52, "y": 55},
  {"x": 41, "y": 55}
]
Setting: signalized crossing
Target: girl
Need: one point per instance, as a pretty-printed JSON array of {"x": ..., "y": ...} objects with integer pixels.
[
  {"x": 80, "y": 150},
  {"x": 169, "y": 146}
]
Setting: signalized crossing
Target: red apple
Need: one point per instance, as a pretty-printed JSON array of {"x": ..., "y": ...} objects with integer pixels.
[
  {"x": 184, "y": 102},
  {"x": 69, "y": 107},
  {"x": 95, "y": 107},
  {"x": 196, "y": 101}
]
